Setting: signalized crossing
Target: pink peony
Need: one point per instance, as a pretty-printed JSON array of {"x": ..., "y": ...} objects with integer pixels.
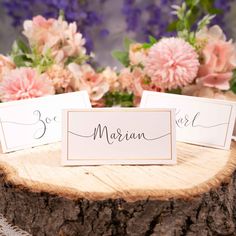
[
  {"x": 218, "y": 59},
  {"x": 24, "y": 83},
  {"x": 86, "y": 78},
  {"x": 172, "y": 63},
  {"x": 137, "y": 54}
]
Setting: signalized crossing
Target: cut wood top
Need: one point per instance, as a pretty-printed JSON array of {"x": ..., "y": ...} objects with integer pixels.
[{"x": 198, "y": 170}]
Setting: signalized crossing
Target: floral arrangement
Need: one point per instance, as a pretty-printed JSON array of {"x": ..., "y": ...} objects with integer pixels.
[
  {"x": 54, "y": 61},
  {"x": 199, "y": 62}
]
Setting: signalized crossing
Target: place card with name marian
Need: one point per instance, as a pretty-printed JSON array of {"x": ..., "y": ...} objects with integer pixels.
[{"x": 118, "y": 136}]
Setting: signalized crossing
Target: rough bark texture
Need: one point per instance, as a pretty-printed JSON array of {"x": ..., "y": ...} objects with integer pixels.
[{"x": 213, "y": 213}]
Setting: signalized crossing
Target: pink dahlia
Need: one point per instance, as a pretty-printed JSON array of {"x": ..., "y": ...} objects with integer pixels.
[
  {"x": 23, "y": 83},
  {"x": 172, "y": 63}
]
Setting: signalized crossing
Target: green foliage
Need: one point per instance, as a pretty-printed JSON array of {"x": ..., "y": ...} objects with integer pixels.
[
  {"x": 20, "y": 53},
  {"x": 123, "y": 56},
  {"x": 175, "y": 91},
  {"x": 188, "y": 13},
  {"x": 233, "y": 82},
  {"x": 127, "y": 42},
  {"x": 152, "y": 41},
  {"x": 124, "y": 99},
  {"x": 79, "y": 59},
  {"x": 23, "y": 55}
]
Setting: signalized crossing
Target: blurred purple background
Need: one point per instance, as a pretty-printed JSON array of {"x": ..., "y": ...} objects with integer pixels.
[{"x": 104, "y": 22}]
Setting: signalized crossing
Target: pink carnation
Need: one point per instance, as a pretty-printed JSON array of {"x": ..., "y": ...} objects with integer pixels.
[
  {"x": 24, "y": 83},
  {"x": 61, "y": 78},
  {"x": 172, "y": 63}
]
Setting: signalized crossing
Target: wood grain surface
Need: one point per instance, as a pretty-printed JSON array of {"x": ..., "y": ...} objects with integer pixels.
[{"x": 198, "y": 169}]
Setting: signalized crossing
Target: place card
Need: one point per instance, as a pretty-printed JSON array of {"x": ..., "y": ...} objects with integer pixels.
[
  {"x": 33, "y": 122},
  {"x": 234, "y": 132},
  {"x": 203, "y": 121},
  {"x": 118, "y": 136}
]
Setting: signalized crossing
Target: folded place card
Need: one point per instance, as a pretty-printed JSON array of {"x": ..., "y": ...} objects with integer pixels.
[
  {"x": 234, "y": 132},
  {"x": 202, "y": 121},
  {"x": 118, "y": 136},
  {"x": 34, "y": 122}
]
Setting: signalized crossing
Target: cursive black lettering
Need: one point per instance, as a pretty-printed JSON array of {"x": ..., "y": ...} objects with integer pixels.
[
  {"x": 101, "y": 132},
  {"x": 39, "y": 133}
]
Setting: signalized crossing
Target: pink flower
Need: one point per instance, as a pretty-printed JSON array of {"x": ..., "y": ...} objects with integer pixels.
[
  {"x": 5, "y": 65},
  {"x": 218, "y": 59},
  {"x": 40, "y": 21},
  {"x": 61, "y": 78},
  {"x": 216, "y": 80},
  {"x": 110, "y": 76},
  {"x": 24, "y": 83},
  {"x": 137, "y": 54},
  {"x": 86, "y": 78},
  {"x": 55, "y": 36},
  {"x": 37, "y": 31},
  {"x": 172, "y": 63},
  {"x": 213, "y": 33},
  {"x": 136, "y": 81},
  {"x": 202, "y": 91}
]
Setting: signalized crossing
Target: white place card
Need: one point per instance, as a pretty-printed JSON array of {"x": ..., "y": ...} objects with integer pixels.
[
  {"x": 118, "y": 136},
  {"x": 234, "y": 132},
  {"x": 202, "y": 121},
  {"x": 33, "y": 122}
]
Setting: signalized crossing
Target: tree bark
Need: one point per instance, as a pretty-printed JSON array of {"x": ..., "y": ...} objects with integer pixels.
[{"x": 212, "y": 213}]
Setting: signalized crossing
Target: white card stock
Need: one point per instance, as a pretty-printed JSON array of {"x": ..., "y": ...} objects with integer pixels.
[
  {"x": 118, "y": 136},
  {"x": 33, "y": 122},
  {"x": 202, "y": 121}
]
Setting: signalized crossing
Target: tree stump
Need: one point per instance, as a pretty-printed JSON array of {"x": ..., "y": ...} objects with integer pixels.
[{"x": 195, "y": 197}]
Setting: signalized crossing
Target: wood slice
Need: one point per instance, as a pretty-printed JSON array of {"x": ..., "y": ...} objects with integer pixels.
[{"x": 195, "y": 197}]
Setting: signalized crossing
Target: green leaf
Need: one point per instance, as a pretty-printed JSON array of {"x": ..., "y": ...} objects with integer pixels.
[
  {"x": 23, "y": 47},
  {"x": 215, "y": 11},
  {"x": 122, "y": 57},
  {"x": 20, "y": 47},
  {"x": 127, "y": 42},
  {"x": 175, "y": 91},
  {"x": 146, "y": 45},
  {"x": 20, "y": 60},
  {"x": 62, "y": 14},
  {"x": 124, "y": 99},
  {"x": 192, "y": 3},
  {"x": 233, "y": 82},
  {"x": 172, "y": 26},
  {"x": 152, "y": 40}
]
